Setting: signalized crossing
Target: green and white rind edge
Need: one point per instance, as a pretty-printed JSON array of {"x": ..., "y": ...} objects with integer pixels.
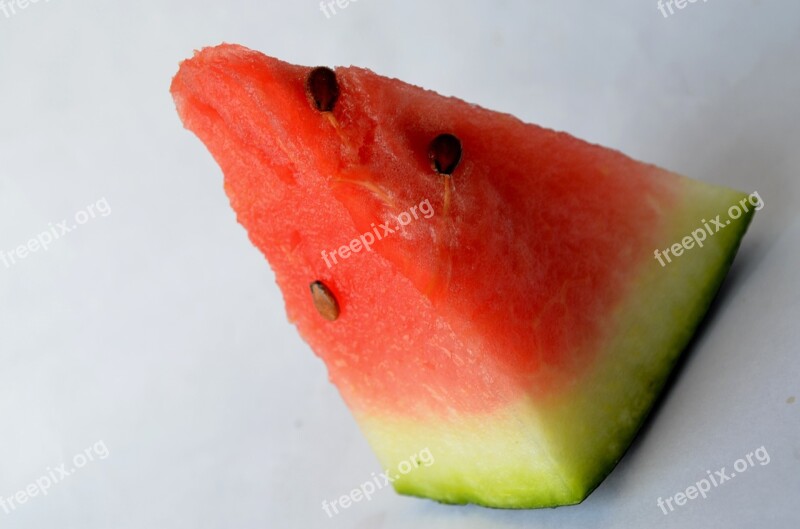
[
  {"x": 599, "y": 419},
  {"x": 555, "y": 452}
]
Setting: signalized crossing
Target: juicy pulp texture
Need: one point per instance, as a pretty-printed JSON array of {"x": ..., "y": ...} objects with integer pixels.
[{"x": 523, "y": 330}]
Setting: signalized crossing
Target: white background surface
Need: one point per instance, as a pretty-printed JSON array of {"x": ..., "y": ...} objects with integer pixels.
[{"x": 159, "y": 330}]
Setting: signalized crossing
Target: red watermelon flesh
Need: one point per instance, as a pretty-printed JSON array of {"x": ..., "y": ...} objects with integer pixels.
[{"x": 509, "y": 317}]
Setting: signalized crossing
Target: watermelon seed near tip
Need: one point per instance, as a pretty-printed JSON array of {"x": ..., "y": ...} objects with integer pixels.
[
  {"x": 445, "y": 153},
  {"x": 323, "y": 88},
  {"x": 324, "y": 301}
]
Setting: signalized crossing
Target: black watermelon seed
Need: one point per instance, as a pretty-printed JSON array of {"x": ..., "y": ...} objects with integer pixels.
[
  {"x": 445, "y": 153},
  {"x": 323, "y": 88}
]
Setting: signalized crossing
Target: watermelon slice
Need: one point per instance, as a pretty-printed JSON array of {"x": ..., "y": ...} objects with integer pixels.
[{"x": 478, "y": 287}]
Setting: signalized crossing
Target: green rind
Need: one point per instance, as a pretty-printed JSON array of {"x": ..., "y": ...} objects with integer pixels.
[
  {"x": 599, "y": 418},
  {"x": 578, "y": 436}
]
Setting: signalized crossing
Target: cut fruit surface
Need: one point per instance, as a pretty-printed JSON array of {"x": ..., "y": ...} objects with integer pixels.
[{"x": 480, "y": 287}]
